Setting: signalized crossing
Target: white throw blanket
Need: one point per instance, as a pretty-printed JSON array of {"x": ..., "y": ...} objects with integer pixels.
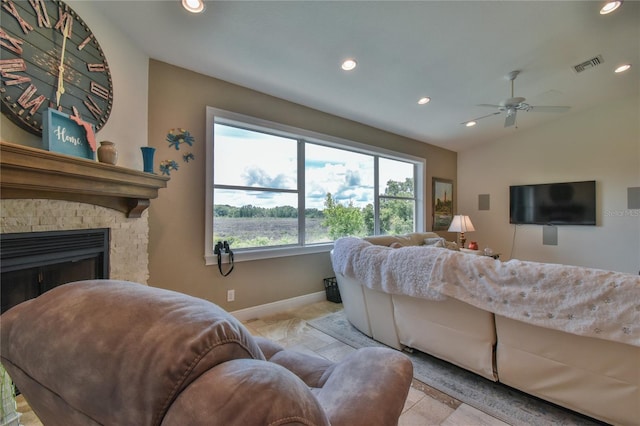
[{"x": 577, "y": 300}]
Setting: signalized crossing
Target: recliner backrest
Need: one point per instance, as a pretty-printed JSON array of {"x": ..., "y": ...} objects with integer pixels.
[{"x": 150, "y": 343}]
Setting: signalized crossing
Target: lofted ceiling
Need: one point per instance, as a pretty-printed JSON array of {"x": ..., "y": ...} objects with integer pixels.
[{"x": 458, "y": 53}]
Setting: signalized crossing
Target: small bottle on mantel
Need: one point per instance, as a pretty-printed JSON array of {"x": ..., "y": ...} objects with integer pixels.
[{"x": 107, "y": 153}]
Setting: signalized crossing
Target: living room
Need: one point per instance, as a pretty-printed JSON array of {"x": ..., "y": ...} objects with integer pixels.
[{"x": 151, "y": 96}]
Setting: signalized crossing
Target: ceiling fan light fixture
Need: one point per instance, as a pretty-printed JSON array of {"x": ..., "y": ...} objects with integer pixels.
[
  {"x": 349, "y": 64},
  {"x": 471, "y": 123},
  {"x": 610, "y": 6},
  {"x": 622, "y": 68},
  {"x": 193, "y": 6},
  {"x": 424, "y": 100}
]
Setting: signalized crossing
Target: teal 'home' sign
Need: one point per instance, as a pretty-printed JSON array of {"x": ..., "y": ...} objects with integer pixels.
[{"x": 61, "y": 134}]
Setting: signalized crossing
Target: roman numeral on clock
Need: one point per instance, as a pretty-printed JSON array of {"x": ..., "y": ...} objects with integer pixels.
[
  {"x": 93, "y": 107},
  {"x": 41, "y": 13},
  {"x": 12, "y": 65},
  {"x": 14, "y": 44},
  {"x": 26, "y": 102},
  {"x": 64, "y": 19},
  {"x": 85, "y": 42},
  {"x": 11, "y": 8},
  {"x": 9, "y": 66},
  {"x": 98, "y": 90},
  {"x": 96, "y": 67}
]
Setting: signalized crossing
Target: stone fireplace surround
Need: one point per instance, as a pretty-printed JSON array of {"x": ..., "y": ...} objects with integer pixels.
[
  {"x": 129, "y": 236},
  {"x": 46, "y": 191}
]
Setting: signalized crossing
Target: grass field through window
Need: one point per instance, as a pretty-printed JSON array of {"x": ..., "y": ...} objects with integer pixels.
[{"x": 246, "y": 232}]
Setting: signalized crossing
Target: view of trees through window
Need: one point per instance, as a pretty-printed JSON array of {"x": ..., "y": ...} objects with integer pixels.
[{"x": 260, "y": 201}]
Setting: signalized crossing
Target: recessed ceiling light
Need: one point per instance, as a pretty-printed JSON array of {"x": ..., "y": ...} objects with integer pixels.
[
  {"x": 623, "y": 68},
  {"x": 471, "y": 123},
  {"x": 610, "y": 6},
  {"x": 349, "y": 64},
  {"x": 424, "y": 100},
  {"x": 193, "y": 6}
]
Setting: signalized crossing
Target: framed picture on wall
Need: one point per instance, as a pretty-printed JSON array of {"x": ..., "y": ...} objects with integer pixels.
[{"x": 442, "y": 207}]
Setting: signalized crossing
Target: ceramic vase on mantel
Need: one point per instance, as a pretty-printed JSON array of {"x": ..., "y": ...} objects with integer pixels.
[
  {"x": 147, "y": 158},
  {"x": 107, "y": 153}
]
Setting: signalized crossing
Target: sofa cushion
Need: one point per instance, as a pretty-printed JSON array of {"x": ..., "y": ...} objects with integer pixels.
[
  {"x": 441, "y": 242},
  {"x": 412, "y": 239},
  {"x": 91, "y": 343}
]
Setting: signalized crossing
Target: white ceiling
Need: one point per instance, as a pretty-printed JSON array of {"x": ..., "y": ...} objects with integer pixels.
[{"x": 456, "y": 52}]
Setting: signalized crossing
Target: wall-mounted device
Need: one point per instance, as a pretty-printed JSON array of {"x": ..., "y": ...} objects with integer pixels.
[{"x": 564, "y": 203}]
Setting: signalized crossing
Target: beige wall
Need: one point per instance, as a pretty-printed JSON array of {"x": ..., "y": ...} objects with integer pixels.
[
  {"x": 178, "y": 99},
  {"x": 601, "y": 144}
]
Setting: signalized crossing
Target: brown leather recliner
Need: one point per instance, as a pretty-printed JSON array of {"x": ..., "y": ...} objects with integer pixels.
[{"x": 107, "y": 352}]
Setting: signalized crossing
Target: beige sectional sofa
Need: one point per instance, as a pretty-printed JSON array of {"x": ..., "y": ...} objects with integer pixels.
[{"x": 594, "y": 376}]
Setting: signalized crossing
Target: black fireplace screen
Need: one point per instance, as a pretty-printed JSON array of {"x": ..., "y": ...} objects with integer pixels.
[{"x": 33, "y": 262}]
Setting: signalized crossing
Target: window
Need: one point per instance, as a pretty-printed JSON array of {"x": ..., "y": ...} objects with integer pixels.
[
  {"x": 255, "y": 190},
  {"x": 274, "y": 190}
]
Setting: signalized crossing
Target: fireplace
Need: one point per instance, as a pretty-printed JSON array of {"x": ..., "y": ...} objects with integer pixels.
[
  {"x": 34, "y": 262},
  {"x": 47, "y": 191}
]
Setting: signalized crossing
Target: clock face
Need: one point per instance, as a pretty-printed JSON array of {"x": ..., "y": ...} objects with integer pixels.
[{"x": 50, "y": 58}]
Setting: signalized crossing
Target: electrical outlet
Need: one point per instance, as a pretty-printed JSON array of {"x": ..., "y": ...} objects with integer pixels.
[{"x": 231, "y": 295}]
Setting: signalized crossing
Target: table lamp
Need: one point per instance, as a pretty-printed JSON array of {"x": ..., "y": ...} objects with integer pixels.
[{"x": 461, "y": 224}]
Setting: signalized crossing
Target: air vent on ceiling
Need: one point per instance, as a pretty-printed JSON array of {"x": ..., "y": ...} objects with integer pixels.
[{"x": 589, "y": 63}]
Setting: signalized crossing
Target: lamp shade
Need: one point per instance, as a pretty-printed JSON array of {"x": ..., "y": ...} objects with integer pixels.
[{"x": 461, "y": 223}]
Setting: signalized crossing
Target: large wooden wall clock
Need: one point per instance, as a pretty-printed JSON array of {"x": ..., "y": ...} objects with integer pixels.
[{"x": 50, "y": 58}]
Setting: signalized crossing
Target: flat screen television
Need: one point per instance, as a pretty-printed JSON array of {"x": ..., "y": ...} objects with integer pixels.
[{"x": 565, "y": 203}]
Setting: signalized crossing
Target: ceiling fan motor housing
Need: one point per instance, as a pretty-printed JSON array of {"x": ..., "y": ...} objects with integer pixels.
[{"x": 512, "y": 102}]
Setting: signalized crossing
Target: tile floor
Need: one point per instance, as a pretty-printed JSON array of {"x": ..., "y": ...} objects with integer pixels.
[{"x": 425, "y": 406}]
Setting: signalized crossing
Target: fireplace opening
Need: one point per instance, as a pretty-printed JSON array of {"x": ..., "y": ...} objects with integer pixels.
[{"x": 32, "y": 263}]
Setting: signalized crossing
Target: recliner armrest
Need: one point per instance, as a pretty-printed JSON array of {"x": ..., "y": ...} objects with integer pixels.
[
  {"x": 350, "y": 390},
  {"x": 244, "y": 392},
  {"x": 354, "y": 388}
]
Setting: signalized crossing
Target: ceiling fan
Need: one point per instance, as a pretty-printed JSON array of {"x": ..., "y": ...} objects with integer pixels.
[{"x": 512, "y": 105}]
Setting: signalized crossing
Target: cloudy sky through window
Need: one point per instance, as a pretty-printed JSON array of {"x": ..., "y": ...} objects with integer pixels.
[{"x": 252, "y": 159}]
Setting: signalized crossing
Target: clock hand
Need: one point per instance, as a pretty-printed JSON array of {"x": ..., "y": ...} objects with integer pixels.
[{"x": 60, "y": 91}]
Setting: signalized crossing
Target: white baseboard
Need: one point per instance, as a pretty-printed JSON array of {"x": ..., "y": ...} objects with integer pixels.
[{"x": 273, "y": 308}]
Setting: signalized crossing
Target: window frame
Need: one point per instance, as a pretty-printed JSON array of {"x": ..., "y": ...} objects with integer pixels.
[{"x": 302, "y": 136}]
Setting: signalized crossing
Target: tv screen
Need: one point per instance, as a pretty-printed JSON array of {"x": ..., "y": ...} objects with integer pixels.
[{"x": 566, "y": 203}]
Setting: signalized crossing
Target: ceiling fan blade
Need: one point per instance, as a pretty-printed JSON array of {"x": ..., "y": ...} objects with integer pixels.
[
  {"x": 510, "y": 119},
  {"x": 480, "y": 118},
  {"x": 490, "y": 106},
  {"x": 549, "y": 108}
]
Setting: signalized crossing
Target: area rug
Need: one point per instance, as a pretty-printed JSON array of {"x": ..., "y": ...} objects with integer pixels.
[{"x": 500, "y": 401}]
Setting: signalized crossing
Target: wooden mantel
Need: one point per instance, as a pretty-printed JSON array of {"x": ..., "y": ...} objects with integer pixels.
[{"x": 27, "y": 172}]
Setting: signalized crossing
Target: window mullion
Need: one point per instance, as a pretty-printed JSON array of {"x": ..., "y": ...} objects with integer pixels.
[
  {"x": 376, "y": 195},
  {"x": 301, "y": 192},
  {"x": 416, "y": 196},
  {"x": 255, "y": 188}
]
